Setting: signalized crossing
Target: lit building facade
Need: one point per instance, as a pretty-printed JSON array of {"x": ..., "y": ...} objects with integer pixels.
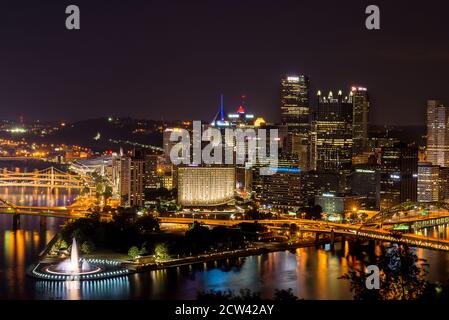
[
  {"x": 399, "y": 175},
  {"x": 340, "y": 204},
  {"x": 121, "y": 177},
  {"x": 298, "y": 144},
  {"x": 332, "y": 134},
  {"x": 365, "y": 181},
  {"x": 281, "y": 190},
  {"x": 316, "y": 183},
  {"x": 437, "y": 133},
  {"x": 206, "y": 186},
  {"x": 137, "y": 183},
  {"x": 295, "y": 102},
  {"x": 295, "y": 115},
  {"x": 360, "y": 120},
  {"x": 432, "y": 182}
]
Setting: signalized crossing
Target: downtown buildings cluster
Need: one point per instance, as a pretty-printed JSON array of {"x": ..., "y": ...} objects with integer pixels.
[{"x": 326, "y": 158}]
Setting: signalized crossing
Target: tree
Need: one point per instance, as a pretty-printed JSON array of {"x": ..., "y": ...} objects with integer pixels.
[
  {"x": 87, "y": 247},
  {"x": 402, "y": 276},
  {"x": 161, "y": 252},
  {"x": 198, "y": 238},
  {"x": 133, "y": 252},
  {"x": 284, "y": 295},
  {"x": 314, "y": 213},
  {"x": 228, "y": 295},
  {"x": 147, "y": 224},
  {"x": 63, "y": 244}
]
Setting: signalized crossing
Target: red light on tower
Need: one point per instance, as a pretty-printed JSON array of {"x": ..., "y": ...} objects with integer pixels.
[{"x": 241, "y": 110}]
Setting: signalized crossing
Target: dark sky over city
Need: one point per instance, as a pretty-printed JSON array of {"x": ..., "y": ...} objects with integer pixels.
[{"x": 172, "y": 59}]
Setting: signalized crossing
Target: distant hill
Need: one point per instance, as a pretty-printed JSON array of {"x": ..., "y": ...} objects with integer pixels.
[{"x": 98, "y": 133}]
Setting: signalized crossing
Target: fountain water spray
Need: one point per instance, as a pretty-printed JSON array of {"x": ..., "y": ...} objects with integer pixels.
[{"x": 74, "y": 258}]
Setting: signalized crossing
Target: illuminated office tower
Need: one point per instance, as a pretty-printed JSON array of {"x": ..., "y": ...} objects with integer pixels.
[
  {"x": 360, "y": 111},
  {"x": 316, "y": 183},
  {"x": 154, "y": 170},
  {"x": 128, "y": 178},
  {"x": 298, "y": 144},
  {"x": 281, "y": 190},
  {"x": 332, "y": 134},
  {"x": 365, "y": 181},
  {"x": 295, "y": 102},
  {"x": 432, "y": 182},
  {"x": 437, "y": 133},
  {"x": 137, "y": 182},
  {"x": 206, "y": 186},
  {"x": 120, "y": 177},
  {"x": 399, "y": 175}
]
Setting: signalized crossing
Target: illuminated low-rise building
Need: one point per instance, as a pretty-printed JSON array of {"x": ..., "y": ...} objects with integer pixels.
[
  {"x": 340, "y": 204},
  {"x": 206, "y": 186}
]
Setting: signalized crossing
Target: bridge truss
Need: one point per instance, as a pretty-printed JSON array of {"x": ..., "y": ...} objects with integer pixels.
[
  {"x": 406, "y": 210},
  {"x": 47, "y": 178}
]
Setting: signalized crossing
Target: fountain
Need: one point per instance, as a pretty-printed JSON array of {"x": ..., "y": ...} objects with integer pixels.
[
  {"x": 76, "y": 268},
  {"x": 74, "y": 259},
  {"x": 73, "y": 265}
]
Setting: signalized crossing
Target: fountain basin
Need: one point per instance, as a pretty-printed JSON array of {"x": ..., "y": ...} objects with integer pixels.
[
  {"x": 101, "y": 269},
  {"x": 55, "y": 270}
]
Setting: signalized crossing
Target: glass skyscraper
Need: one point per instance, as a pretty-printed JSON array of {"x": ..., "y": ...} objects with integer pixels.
[{"x": 295, "y": 102}]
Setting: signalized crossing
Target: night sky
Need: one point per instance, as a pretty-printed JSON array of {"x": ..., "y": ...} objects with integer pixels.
[{"x": 171, "y": 59}]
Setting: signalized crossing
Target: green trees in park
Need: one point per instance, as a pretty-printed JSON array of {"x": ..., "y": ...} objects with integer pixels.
[
  {"x": 125, "y": 230},
  {"x": 133, "y": 252},
  {"x": 161, "y": 252}
]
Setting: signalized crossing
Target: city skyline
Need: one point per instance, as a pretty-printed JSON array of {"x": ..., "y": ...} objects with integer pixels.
[{"x": 225, "y": 151}]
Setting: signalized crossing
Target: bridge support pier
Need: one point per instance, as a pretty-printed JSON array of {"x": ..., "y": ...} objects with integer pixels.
[
  {"x": 332, "y": 237},
  {"x": 317, "y": 238},
  {"x": 16, "y": 221},
  {"x": 43, "y": 222}
]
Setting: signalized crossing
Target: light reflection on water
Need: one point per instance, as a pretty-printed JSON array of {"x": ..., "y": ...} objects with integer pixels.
[
  {"x": 114, "y": 288},
  {"x": 312, "y": 273},
  {"x": 42, "y": 197}
]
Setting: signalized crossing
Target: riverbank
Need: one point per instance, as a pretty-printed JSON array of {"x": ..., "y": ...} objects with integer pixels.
[
  {"x": 147, "y": 263},
  {"x": 207, "y": 257}
]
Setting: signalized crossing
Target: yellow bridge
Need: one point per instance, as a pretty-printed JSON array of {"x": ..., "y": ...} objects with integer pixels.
[{"x": 48, "y": 178}]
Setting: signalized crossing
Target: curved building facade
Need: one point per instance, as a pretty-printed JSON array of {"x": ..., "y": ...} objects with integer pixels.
[{"x": 205, "y": 186}]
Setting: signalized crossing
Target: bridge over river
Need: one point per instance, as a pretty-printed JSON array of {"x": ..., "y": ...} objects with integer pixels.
[{"x": 324, "y": 227}]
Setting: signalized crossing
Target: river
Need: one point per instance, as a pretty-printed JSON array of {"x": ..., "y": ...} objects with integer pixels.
[{"x": 312, "y": 272}]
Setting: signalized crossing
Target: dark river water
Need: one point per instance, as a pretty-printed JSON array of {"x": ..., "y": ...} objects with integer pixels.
[{"x": 312, "y": 273}]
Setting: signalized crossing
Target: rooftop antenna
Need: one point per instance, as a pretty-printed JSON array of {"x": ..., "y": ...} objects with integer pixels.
[{"x": 222, "y": 107}]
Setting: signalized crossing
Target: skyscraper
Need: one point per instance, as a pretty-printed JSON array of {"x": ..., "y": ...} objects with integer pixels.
[
  {"x": 295, "y": 102},
  {"x": 399, "y": 175},
  {"x": 332, "y": 134},
  {"x": 360, "y": 112},
  {"x": 295, "y": 111},
  {"x": 365, "y": 181},
  {"x": 281, "y": 190},
  {"x": 432, "y": 182},
  {"x": 437, "y": 133}
]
